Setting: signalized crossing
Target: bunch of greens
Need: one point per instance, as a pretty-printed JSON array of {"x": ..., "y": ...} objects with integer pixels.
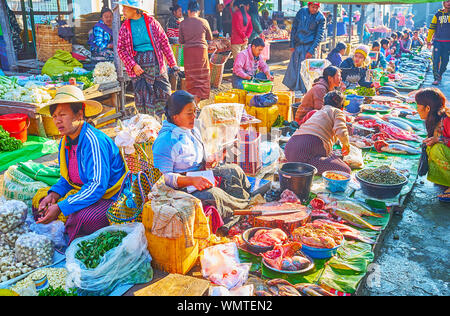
[
  {"x": 90, "y": 252},
  {"x": 86, "y": 78},
  {"x": 8, "y": 143},
  {"x": 59, "y": 291}
]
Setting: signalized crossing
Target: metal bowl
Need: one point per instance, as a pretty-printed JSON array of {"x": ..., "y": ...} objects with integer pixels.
[
  {"x": 307, "y": 269},
  {"x": 248, "y": 234}
]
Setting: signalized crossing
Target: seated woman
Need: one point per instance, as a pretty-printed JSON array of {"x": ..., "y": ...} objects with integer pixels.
[
  {"x": 247, "y": 64},
  {"x": 335, "y": 56},
  {"x": 179, "y": 149},
  {"x": 416, "y": 41},
  {"x": 354, "y": 69},
  {"x": 90, "y": 162},
  {"x": 313, "y": 99},
  {"x": 405, "y": 43},
  {"x": 431, "y": 107},
  {"x": 381, "y": 61},
  {"x": 313, "y": 141},
  {"x": 100, "y": 38}
]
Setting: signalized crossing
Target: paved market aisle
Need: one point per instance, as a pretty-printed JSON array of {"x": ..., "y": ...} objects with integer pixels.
[{"x": 414, "y": 257}]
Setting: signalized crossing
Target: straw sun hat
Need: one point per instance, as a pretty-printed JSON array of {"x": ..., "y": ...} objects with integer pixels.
[{"x": 72, "y": 94}]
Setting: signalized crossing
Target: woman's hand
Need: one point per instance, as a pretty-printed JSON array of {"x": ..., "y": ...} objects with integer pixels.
[
  {"x": 269, "y": 76},
  {"x": 50, "y": 199},
  {"x": 308, "y": 55},
  {"x": 430, "y": 141},
  {"x": 138, "y": 70},
  {"x": 50, "y": 215},
  {"x": 201, "y": 183}
]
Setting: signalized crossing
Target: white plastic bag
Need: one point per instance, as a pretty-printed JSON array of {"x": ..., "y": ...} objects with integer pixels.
[
  {"x": 246, "y": 290},
  {"x": 54, "y": 231},
  {"x": 12, "y": 214},
  {"x": 128, "y": 263},
  {"x": 221, "y": 265},
  {"x": 312, "y": 69},
  {"x": 34, "y": 250},
  {"x": 354, "y": 159}
]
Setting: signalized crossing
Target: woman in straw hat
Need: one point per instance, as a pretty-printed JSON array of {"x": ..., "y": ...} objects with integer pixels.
[
  {"x": 90, "y": 163},
  {"x": 354, "y": 69},
  {"x": 142, "y": 46}
]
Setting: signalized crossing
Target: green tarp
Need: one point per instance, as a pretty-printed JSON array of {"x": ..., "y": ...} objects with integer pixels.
[{"x": 34, "y": 148}]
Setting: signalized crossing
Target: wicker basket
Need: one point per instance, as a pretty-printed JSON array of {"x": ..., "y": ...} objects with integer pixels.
[
  {"x": 217, "y": 63},
  {"x": 48, "y": 42}
]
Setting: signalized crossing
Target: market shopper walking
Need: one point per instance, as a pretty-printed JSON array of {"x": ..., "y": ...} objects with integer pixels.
[
  {"x": 439, "y": 34},
  {"x": 431, "y": 105},
  {"x": 194, "y": 34},
  {"x": 142, "y": 47},
  {"x": 242, "y": 27},
  {"x": 307, "y": 33},
  {"x": 90, "y": 163}
]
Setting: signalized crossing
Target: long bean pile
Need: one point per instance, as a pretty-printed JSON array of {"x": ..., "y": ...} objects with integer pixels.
[{"x": 90, "y": 252}]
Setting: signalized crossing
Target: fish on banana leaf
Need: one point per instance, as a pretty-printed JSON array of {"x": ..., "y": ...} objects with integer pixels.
[
  {"x": 353, "y": 207},
  {"x": 354, "y": 220},
  {"x": 347, "y": 231},
  {"x": 311, "y": 289},
  {"x": 395, "y": 148}
]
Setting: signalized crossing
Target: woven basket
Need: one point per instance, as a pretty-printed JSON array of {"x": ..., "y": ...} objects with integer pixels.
[
  {"x": 48, "y": 42},
  {"x": 138, "y": 161},
  {"x": 132, "y": 196},
  {"x": 217, "y": 63}
]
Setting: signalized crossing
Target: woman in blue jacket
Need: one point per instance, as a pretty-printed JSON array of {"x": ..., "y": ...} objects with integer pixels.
[
  {"x": 179, "y": 149},
  {"x": 90, "y": 163}
]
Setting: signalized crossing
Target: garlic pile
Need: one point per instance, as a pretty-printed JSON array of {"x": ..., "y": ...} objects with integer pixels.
[
  {"x": 34, "y": 250},
  {"x": 104, "y": 72},
  {"x": 12, "y": 214},
  {"x": 56, "y": 278},
  {"x": 10, "y": 237},
  {"x": 10, "y": 268}
]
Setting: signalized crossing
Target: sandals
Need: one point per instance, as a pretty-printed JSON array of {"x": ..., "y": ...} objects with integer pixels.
[{"x": 444, "y": 197}]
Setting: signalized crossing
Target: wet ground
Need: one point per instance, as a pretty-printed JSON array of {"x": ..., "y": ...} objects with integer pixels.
[{"x": 414, "y": 256}]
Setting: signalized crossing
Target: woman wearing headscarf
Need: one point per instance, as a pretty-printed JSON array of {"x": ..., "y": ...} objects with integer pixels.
[
  {"x": 242, "y": 27},
  {"x": 179, "y": 149},
  {"x": 142, "y": 46},
  {"x": 100, "y": 39},
  {"x": 194, "y": 35},
  {"x": 354, "y": 69}
]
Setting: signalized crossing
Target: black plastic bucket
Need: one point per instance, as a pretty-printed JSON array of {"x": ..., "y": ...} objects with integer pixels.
[{"x": 297, "y": 177}]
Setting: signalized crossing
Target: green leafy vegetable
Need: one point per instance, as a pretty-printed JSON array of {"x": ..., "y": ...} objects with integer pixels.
[
  {"x": 59, "y": 291},
  {"x": 8, "y": 143}
]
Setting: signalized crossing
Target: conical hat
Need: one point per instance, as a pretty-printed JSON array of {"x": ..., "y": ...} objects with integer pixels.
[{"x": 72, "y": 94}]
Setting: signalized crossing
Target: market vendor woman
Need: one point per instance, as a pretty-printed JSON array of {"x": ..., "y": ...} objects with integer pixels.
[
  {"x": 431, "y": 107},
  {"x": 354, "y": 69},
  {"x": 179, "y": 149},
  {"x": 90, "y": 163}
]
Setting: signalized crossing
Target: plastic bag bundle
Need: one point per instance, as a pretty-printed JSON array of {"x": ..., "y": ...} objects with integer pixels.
[
  {"x": 54, "y": 231},
  {"x": 221, "y": 265},
  {"x": 354, "y": 159},
  {"x": 128, "y": 263},
  {"x": 12, "y": 214},
  {"x": 219, "y": 125},
  {"x": 264, "y": 100},
  {"x": 312, "y": 69},
  {"x": 19, "y": 186},
  {"x": 34, "y": 250}
]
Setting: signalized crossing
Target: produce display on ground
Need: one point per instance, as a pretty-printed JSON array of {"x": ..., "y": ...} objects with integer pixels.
[{"x": 319, "y": 246}]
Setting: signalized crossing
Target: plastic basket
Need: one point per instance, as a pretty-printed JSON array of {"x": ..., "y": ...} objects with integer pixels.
[
  {"x": 259, "y": 87},
  {"x": 178, "y": 51}
]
